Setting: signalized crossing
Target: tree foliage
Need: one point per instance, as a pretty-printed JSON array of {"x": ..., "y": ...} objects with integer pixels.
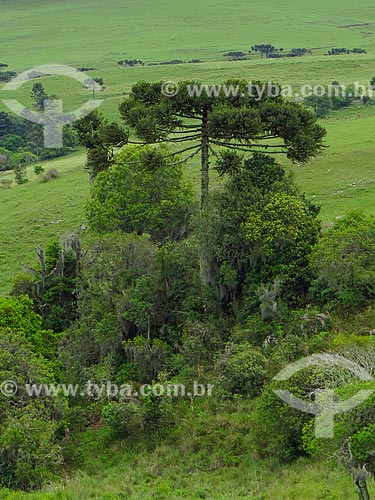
[
  {"x": 258, "y": 229},
  {"x": 141, "y": 193},
  {"x": 100, "y": 138},
  {"x": 344, "y": 262},
  {"x": 203, "y": 120}
]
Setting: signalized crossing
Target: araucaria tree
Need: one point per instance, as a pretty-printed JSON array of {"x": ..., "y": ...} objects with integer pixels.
[
  {"x": 199, "y": 118},
  {"x": 100, "y": 138}
]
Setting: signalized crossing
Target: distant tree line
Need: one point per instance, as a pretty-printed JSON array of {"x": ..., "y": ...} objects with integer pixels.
[
  {"x": 22, "y": 142},
  {"x": 322, "y": 105},
  {"x": 267, "y": 50},
  {"x": 162, "y": 63},
  {"x": 131, "y": 62},
  {"x": 6, "y": 76},
  {"x": 84, "y": 69},
  {"x": 236, "y": 55},
  {"x": 339, "y": 51},
  {"x": 138, "y": 62}
]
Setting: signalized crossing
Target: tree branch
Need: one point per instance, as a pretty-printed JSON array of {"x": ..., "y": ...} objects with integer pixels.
[
  {"x": 249, "y": 149},
  {"x": 185, "y": 138}
]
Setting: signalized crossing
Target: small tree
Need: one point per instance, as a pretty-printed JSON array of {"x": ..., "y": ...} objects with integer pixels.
[
  {"x": 257, "y": 229},
  {"x": 38, "y": 169},
  {"x": 320, "y": 105},
  {"x": 39, "y": 95},
  {"x": 141, "y": 193},
  {"x": 344, "y": 262},
  {"x": 20, "y": 173}
]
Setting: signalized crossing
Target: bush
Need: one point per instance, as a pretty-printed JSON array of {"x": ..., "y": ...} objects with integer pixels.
[
  {"x": 277, "y": 426},
  {"x": 148, "y": 356},
  {"x": 241, "y": 370},
  {"x": 38, "y": 169},
  {"x": 141, "y": 193},
  {"x": 344, "y": 263},
  {"x": 150, "y": 413},
  {"x": 354, "y": 432},
  {"x": 6, "y": 183},
  {"x": 51, "y": 173},
  {"x": 157, "y": 412},
  {"x": 123, "y": 417},
  {"x": 320, "y": 104},
  {"x": 20, "y": 173},
  {"x": 28, "y": 452}
]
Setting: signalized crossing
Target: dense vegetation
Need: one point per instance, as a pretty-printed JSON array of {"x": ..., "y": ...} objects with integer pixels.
[
  {"x": 165, "y": 291},
  {"x": 22, "y": 142},
  {"x": 155, "y": 287}
]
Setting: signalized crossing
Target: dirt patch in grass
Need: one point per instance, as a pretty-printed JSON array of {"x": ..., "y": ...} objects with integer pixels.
[{"x": 349, "y": 26}]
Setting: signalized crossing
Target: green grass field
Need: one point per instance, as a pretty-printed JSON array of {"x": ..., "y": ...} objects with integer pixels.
[
  {"x": 36, "y": 212},
  {"x": 93, "y": 33}
]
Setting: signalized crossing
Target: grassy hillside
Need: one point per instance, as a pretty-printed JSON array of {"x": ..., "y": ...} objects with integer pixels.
[
  {"x": 157, "y": 477},
  {"x": 342, "y": 178},
  {"x": 98, "y": 34},
  {"x": 200, "y": 459},
  {"x": 38, "y": 30},
  {"x": 91, "y": 33},
  {"x": 36, "y": 212}
]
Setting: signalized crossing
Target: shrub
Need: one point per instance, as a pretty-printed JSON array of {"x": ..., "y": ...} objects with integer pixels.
[
  {"x": 344, "y": 263},
  {"x": 123, "y": 417},
  {"x": 157, "y": 412},
  {"x": 38, "y": 169},
  {"x": 6, "y": 183},
  {"x": 28, "y": 452},
  {"x": 141, "y": 193},
  {"x": 17, "y": 314},
  {"x": 241, "y": 370},
  {"x": 148, "y": 356},
  {"x": 51, "y": 173},
  {"x": 20, "y": 173},
  {"x": 353, "y": 429},
  {"x": 277, "y": 426}
]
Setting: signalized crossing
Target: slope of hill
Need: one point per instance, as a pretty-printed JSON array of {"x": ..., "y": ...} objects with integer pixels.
[{"x": 96, "y": 34}]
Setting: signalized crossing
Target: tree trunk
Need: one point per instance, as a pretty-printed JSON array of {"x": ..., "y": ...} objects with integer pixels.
[
  {"x": 362, "y": 488},
  {"x": 204, "y": 158}
]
